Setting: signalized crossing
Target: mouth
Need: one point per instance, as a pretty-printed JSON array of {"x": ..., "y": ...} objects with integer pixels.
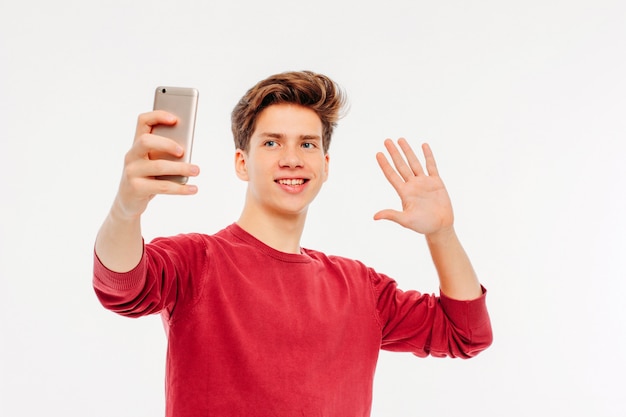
[{"x": 292, "y": 182}]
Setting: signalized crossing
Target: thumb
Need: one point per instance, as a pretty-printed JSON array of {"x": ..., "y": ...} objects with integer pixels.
[{"x": 388, "y": 214}]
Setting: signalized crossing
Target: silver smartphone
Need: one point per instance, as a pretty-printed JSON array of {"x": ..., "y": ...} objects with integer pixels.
[{"x": 183, "y": 103}]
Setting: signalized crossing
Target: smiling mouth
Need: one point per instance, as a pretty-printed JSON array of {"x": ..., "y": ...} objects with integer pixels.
[{"x": 292, "y": 182}]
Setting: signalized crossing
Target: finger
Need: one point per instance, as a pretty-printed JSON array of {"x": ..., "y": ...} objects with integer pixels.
[
  {"x": 431, "y": 165},
  {"x": 412, "y": 159},
  {"x": 147, "y": 168},
  {"x": 392, "y": 176},
  {"x": 398, "y": 160},
  {"x": 146, "y": 121},
  {"x": 152, "y": 146},
  {"x": 151, "y": 187}
]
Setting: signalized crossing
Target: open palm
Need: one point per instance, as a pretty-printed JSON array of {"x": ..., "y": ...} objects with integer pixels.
[{"x": 426, "y": 206}]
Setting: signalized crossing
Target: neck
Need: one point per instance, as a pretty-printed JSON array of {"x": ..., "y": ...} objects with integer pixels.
[{"x": 282, "y": 233}]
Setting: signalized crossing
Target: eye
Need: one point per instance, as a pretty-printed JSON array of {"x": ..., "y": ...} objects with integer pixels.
[
  {"x": 308, "y": 145},
  {"x": 270, "y": 143}
]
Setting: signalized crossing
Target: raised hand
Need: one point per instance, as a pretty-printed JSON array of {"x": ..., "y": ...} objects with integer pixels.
[
  {"x": 426, "y": 206},
  {"x": 119, "y": 244},
  {"x": 145, "y": 161}
]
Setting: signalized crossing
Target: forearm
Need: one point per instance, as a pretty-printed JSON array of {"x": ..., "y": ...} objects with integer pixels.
[
  {"x": 119, "y": 244},
  {"x": 457, "y": 278}
]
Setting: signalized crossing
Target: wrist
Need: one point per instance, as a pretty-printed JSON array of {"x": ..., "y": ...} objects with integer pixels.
[
  {"x": 120, "y": 213},
  {"x": 441, "y": 236}
]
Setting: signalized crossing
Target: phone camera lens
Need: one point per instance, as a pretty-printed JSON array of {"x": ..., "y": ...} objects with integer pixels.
[{"x": 164, "y": 91}]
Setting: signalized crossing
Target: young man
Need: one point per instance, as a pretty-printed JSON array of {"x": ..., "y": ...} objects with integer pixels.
[{"x": 256, "y": 324}]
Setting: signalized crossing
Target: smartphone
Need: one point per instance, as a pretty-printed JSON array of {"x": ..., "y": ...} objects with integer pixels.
[{"x": 183, "y": 103}]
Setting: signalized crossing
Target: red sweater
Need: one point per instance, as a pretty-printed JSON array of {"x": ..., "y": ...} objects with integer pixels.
[{"x": 257, "y": 332}]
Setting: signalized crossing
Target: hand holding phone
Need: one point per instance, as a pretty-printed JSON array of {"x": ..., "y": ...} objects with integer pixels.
[
  {"x": 182, "y": 102},
  {"x": 159, "y": 135}
]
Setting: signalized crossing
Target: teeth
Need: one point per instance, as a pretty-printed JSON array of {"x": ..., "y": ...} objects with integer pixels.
[{"x": 291, "y": 182}]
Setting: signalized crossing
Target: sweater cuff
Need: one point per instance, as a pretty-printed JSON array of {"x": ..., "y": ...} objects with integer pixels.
[
  {"x": 103, "y": 277},
  {"x": 473, "y": 312}
]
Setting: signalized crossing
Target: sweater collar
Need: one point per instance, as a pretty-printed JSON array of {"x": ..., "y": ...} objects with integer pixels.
[{"x": 241, "y": 234}]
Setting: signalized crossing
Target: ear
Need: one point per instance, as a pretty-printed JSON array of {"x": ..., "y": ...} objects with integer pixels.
[
  {"x": 326, "y": 166},
  {"x": 241, "y": 164}
]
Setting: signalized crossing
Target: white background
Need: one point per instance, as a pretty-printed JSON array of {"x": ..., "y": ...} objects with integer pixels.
[{"x": 524, "y": 105}]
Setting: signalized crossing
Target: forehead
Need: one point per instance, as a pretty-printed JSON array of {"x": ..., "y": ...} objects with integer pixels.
[{"x": 288, "y": 120}]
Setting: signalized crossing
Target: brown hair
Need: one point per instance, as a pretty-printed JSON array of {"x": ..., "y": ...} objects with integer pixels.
[{"x": 305, "y": 88}]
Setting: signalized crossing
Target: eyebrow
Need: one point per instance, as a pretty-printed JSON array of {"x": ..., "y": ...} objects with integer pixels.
[{"x": 281, "y": 135}]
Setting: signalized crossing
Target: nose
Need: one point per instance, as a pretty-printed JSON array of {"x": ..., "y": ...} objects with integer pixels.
[{"x": 290, "y": 157}]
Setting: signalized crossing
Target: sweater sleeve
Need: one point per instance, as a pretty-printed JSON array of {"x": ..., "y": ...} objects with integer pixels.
[
  {"x": 428, "y": 325},
  {"x": 156, "y": 285}
]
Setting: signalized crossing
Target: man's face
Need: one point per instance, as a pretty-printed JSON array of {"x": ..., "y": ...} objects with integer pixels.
[{"x": 285, "y": 165}]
